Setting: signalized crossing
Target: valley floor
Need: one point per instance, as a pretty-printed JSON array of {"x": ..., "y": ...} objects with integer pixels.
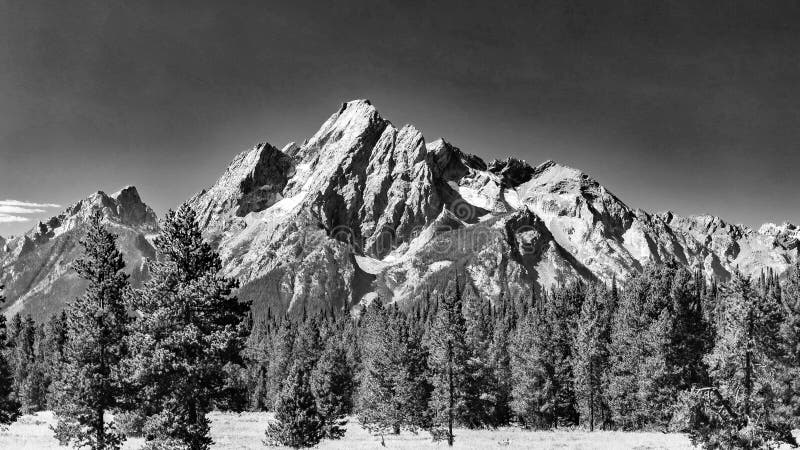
[{"x": 246, "y": 431}]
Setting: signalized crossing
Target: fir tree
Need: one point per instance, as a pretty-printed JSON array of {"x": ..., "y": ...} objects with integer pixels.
[
  {"x": 190, "y": 327},
  {"x": 9, "y": 407},
  {"x": 298, "y": 423},
  {"x": 88, "y": 384}
]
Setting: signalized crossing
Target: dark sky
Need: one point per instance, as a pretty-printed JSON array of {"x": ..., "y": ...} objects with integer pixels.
[{"x": 692, "y": 106}]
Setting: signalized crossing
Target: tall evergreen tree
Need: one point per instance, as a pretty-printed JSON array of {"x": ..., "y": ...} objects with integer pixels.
[
  {"x": 9, "y": 407},
  {"x": 481, "y": 395},
  {"x": 26, "y": 378},
  {"x": 281, "y": 356},
  {"x": 332, "y": 387},
  {"x": 393, "y": 391},
  {"x": 658, "y": 339},
  {"x": 789, "y": 377},
  {"x": 741, "y": 408},
  {"x": 298, "y": 423},
  {"x": 590, "y": 357},
  {"x": 447, "y": 363},
  {"x": 88, "y": 384},
  {"x": 189, "y": 328},
  {"x": 54, "y": 351},
  {"x": 543, "y": 391},
  {"x": 501, "y": 368}
]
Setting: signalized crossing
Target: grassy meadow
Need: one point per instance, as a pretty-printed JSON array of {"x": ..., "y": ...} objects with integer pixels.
[{"x": 246, "y": 431}]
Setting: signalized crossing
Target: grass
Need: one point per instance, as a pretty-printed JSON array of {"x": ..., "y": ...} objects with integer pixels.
[{"x": 246, "y": 431}]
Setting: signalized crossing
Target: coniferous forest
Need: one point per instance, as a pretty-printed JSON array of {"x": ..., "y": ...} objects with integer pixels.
[{"x": 666, "y": 350}]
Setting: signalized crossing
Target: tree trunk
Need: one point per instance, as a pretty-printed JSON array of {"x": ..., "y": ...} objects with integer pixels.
[
  {"x": 452, "y": 401},
  {"x": 100, "y": 434}
]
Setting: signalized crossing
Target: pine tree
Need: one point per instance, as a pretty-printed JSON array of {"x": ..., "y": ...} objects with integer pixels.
[
  {"x": 25, "y": 371},
  {"x": 741, "y": 408},
  {"x": 658, "y": 339},
  {"x": 281, "y": 355},
  {"x": 190, "y": 327},
  {"x": 501, "y": 367},
  {"x": 789, "y": 377},
  {"x": 88, "y": 384},
  {"x": 590, "y": 357},
  {"x": 54, "y": 351},
  {"x": 447, "y": 362},
  {"x": 543, "y": 391},
  {"x": 392, "y": 392},
  {"x": 481, "y": 394},
  {"x": 332, "y": 387},
  {"x": 9, "y": 407},
  {"x": 298, "y": 423}
]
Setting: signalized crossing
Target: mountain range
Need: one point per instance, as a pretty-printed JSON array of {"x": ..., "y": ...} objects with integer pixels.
[{"x": 364, "y": 210}]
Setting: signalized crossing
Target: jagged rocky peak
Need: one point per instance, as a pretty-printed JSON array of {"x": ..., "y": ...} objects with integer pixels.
[
  {"x": 513, "y": 171},
  {"x": 452, "y": 162},
  {"x": 124, "y": 207},
  {"x": 355, "y": 122},
  {"x": 786, "y": 235},
  {"x": 253, "y": 182},
  {"x": 131, "y": 210}
]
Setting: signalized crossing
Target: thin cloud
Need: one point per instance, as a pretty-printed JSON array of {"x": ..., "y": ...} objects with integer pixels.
[
  {"x": 28, "y": 204},
  {"x": 13, "y": 211},
  {"x": 7, "y": 209},
  {"x": 7, "y": 218}
]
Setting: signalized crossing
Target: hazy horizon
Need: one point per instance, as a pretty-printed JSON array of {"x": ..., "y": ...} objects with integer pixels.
[{"x": 672, "y": 106}]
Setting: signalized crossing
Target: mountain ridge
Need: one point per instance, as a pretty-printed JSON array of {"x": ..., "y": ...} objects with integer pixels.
[{"x": 364, "y": 210}]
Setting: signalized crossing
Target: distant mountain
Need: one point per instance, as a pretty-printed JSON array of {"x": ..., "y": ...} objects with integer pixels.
[
  {"x": 364, "y": 210},
  {"x": 36, "y": 265}
]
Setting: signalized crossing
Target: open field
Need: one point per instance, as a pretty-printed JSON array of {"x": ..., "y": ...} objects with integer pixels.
[{"x": 246, "y": 431}]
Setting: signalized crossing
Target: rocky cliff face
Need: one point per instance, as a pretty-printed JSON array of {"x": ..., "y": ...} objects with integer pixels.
[
  {"x": 365, "y": 210},
  {"x": 35, "y": 267}
]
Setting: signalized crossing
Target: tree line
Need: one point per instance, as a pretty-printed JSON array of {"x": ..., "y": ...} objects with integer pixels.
[{"x": 666, "y": 350}]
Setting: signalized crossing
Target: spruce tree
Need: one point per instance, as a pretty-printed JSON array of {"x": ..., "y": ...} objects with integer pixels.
[
  {"x": 88, "y": 384},
  {"x": 298, "y": 423},
  {"x": 189, "y": 328},
  {"x": 447, "y": 363},
  {"x": 9, "y": 407}
]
